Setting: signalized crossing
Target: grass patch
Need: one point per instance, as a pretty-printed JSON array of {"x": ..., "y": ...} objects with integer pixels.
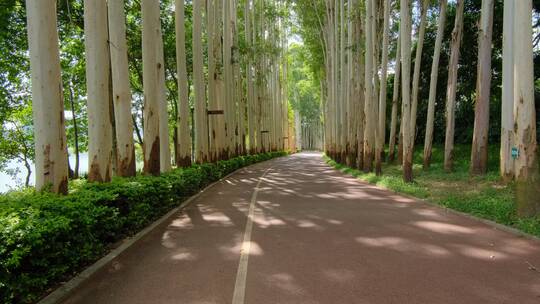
[{"x": 482, "y": 196}]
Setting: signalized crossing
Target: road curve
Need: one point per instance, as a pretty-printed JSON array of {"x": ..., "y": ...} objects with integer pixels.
[{"x": 316, "y": 236}]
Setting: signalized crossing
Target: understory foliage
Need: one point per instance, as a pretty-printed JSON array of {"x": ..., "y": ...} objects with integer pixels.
[{"x": 45, "y": 238}]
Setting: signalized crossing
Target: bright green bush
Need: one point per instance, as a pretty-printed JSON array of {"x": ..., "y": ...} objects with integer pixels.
[{"x": 46, "y": 238}]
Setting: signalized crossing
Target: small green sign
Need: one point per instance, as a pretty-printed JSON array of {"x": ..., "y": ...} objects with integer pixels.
[{"x": 515, "y": 152}]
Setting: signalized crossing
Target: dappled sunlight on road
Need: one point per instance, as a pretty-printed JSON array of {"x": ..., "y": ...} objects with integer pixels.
[{"x": 320, "y": 236}]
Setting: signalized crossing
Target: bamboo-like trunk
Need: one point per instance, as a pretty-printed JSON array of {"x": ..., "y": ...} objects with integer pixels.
[
  {"x": 406, "y": 88},
  {"x": 452, "y": 86},
  {"x": 150, "y": 32},
  {"x": 526, "y": 164},
  {"x": 51, "y": 159},
  {"x": 479, "y": 154},
  {"x": 184, "y": 135},
  {"x": 507, "y": 98},
  {"x": 428, "y": 140},
  {"x": 381, "y": 131},
  {"x": 201, "y": 126},
  {"x": 121, "y": 90},
  {"x": 97, "y": 79}
]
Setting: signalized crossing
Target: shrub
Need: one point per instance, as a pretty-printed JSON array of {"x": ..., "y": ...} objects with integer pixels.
[{"x": 46, "y": 238}]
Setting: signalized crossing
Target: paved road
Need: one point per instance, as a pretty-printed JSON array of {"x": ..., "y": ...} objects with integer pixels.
[{"x": 316, "y": 235}]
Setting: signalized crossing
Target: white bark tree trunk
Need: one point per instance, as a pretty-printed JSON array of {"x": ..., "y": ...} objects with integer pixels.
[
  {"x": 381, "y": 131},
  {"x": 121, "y": 89},
  {"x": 201, "y": 127},
  {"x": 150, "y": 33},
  {"x": 416, "y": 76},
  {"x": 229, "y": 79},
  {"x": 165, "y": 148},
  {"x": 368, "y": 112},
  {"x": 97, "y": 83},
  {"x": 212, "y": 76},
  {"x": 406, "y": 88},
  {"x": 507, "y": 98},
  {"x": 428, "y": 140},
  {"x": 452, "y": 86},
  {"x": 395, "y": 104},
  {"x": 184, "y": 132},
  {"x": 526, "y": 164},
  {"x": 479, "y": 154},
  {"x": 51, "y": 159}
]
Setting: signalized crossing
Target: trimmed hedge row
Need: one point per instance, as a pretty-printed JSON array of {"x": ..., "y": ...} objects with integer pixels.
[{"x": 46, "y": 238}]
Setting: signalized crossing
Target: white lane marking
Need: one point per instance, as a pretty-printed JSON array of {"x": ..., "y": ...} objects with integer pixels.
[{"x": 241, "y": 274}]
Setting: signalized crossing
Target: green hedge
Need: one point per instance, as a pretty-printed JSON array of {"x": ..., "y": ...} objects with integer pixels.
[{"x": 46, "y": 238}]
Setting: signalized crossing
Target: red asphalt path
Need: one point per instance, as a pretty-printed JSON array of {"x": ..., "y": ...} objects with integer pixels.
[{"x": 317, "y": 236}]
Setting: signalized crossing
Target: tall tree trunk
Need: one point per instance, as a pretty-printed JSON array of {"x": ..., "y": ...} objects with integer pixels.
[
  {"x": 150, "y": 38},
  {"x": 479, "y": 154},
  {"x": 452, "y": 86},
  {"x": 75, "y": 130},
  {"x": 184, "y": 134},
  {"x": 249, "y": 77},
  {"x": 343, "y": 84},
  {"x": 395, "y": 104},
  {"x": 526, "y": 164},
  {"x": 164, "y": 137},
  {"x": 212, "y": 77},
  {"x": 201, "y": 125},
  {"x": 121, "y": 90},
  {"x": 370, "y": 122},
  {"x": 416, "y": 76},
  {"x": 98, "y": 81},
  {"x": 428, "y": 140},
  {"x": 381, "y": 132},
  {"x": 229, "y": 79},
  {"x": 406, "y": 88},
  {"x": 137, "y": 131},
  {"x": 360, "y": 72},
  {"x": 507, "y": 98},
  {"x": 51, "y": 157}
]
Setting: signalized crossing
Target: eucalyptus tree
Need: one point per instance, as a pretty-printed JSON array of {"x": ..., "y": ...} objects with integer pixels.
[
  {"x": 479, "y": 154},
  {"x": 121, "y": 90},
  {"x": 164, "y": 146},
  {"x": 526, "y": 163},
  {"x": 416, "y": 76},
  {"x": 51, "y": 161},
  {"x": 507, "y": 98},
  {"x": 395, "y": 102},
  {"x": 97, "y": 77},
  {"x": 452, "y": 86},
  {"x": 369, "y": 131},
  {"x": 381, "y": 128},
  {"x": 214, "y": 47},
  {"x": 359, "y": 71},
  {"x": 183, "y": 159},
  {"x": 428, "y": 139},
  {"x": 250, "y": 81},
  {"x": 200, "y": 115},
  {"x": 150, "y": 38},
  {"x": 405, "y": 33},
  {"x": 229, "y": 78}
]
